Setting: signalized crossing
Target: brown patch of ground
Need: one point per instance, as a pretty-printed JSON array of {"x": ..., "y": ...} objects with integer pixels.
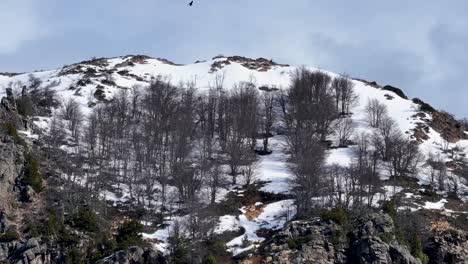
[
  {"x": 253, "y": 260},
  {"x": 253, "y": 211},
  {"x": 440, "y": 225},
  {"x": 449, "y": 128}
]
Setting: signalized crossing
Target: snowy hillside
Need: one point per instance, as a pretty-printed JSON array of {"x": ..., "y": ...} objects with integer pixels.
[{"x": 99, "y": 80}]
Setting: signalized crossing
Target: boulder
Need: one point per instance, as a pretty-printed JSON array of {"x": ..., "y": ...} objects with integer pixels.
[{"x": 135, "y": 255}]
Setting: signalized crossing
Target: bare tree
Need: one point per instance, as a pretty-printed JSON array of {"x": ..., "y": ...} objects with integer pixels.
[
  {"x": 344, "y": 130},
  {"x": 268, "y": 117},
  {"x": 375, "y": 112},
  {"x": 307, "y": 170},
  {"x": 309, "y": 112},
  {"x": 385, "y": 137},
  {"x": 344, "y": 94},
  {"x": 438, "y": 170},
  {"x": 310, "y": 109},
  {"x": 72, "y": 113},
  {"x": 250, "y": 169}
]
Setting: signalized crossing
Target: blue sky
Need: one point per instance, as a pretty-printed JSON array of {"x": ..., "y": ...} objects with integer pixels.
[{"x": 416, "y": 45}]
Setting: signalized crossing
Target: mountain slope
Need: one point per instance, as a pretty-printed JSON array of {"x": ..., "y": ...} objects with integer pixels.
[{"x": 100, "y": 80}]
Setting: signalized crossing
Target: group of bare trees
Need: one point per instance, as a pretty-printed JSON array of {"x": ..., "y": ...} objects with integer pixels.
[
  {"x": 146, "y": 141},
  {"x": 309, "y": 112},
  {"x": 317, "y": 105}
]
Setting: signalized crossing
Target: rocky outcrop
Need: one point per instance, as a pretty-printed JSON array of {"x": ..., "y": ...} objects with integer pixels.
[
  {"x": 11, "y": 166},
  {"x": 135, "y": 255},
  {"x": 448, "y": 127},
  {"x": 448, "y": 246},
  {"x": 305, "y": 242},
  {"x": 367, "y": 243},
  {"x": 259, "y": 64},
  {"x": 32, "y": 251},
  {"x": 324, "y": 242}
]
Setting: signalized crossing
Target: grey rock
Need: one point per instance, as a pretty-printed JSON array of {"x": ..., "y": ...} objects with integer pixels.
[
  {"x": 323, "y": 242},
  {"x": 135, "y": 255},
  {"x": 4, "y": 223},
  {"x": 448, "y": 246}
]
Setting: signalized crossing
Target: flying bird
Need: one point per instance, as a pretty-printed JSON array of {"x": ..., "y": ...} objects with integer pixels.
[{"x": 191, "y": 3}]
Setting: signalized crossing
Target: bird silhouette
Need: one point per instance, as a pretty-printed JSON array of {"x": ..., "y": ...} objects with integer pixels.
[{"x": 191, "y": 3}]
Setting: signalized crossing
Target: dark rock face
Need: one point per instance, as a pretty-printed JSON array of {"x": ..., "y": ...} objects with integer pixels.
[
  {"x": 367, "y": 245},
  {"x": 135, "y": 255},
  {"x": 324, "y": 242},
  {"x": 449, "y": 246},
  {"x": 11, "y": 166},
  {"x": 449, "y": 128},
  {"x": 32, "y": 251},
  {"x": 305, "y": 242}
]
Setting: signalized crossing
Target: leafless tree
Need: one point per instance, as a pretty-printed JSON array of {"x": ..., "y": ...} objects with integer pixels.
[
  {"x": 72, "y": 113},
  {"x": 250, "y": 169},
  {"x": 344, "y": 130},
  {"x": 310, "y": 110},
  {"x": 268, "y": 116},
  {"x": 344, "y": 94},
  {"x": 375, "y": 112},
  {"x": 308, "y": 168}
]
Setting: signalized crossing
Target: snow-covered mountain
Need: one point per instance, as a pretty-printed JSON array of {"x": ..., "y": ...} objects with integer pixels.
[{"x": 99, "y": 80}]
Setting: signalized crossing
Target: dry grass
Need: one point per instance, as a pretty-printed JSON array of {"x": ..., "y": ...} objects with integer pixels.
[
  {"x": 253, "y": 211},
  {"x": 441, "y": 225}
]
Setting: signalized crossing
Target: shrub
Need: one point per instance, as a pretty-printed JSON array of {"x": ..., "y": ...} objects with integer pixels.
[
  {"x": 75, "y": 257},
  {"x": 245, "y": 241},
  {"x": 32, "y": 228},
  {"x": 210, "y": 259},
  {"x": 416, "y": 248},
  {"x": 32, "y": 176},
  {"x": 128, "y": 234},
  {"x": 105, "y": 246},
  {"x": 25, "y": 106},
  {"x": 11, "y": 130},
  {"x": 292, "y": 244},
  {"x": 337, "y": 215},
  {"x": 423, "y": 106},
  {"x": 52, "y": 224},
  {"x": 389, "y": 207},
  {"x": 86, "y": 219},
  {"x": 179, "y": 249},
  {"x": 10, "y": 235},
  {"x": 396, "y": 90}
]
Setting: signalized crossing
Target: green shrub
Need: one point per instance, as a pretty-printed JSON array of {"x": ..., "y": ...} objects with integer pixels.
[
  {"x": 74, "y": 256},
  {"x": 105, "y": 246},
  {"x": 296, "y": 243},
  {"x": 416, "y": 248},
  {"x": 86, "y": 219},
  {"x": 128, "y": 234},
  {"x": 389, "y": 207},
  {"x": 387, "y": 237},
  {"x": 178, "y": 248},
  {"x": 32, "y": 175},
  {"x": 11, "y": 130},
  {"x": 292, "y": 244},
  {"x": 210, "y": 259},
  {"x": 396, "y": 90},
  {"x": 425, "y": 107},
  {"x": 10, "y": 235},
  {"x": 337, "y": 215},
  {"x": 32, "y": 228},
  {"x": 25, "y": 106}
]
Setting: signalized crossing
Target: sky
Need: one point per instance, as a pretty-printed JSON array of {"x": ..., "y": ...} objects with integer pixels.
[{"x": 416, "y": 45}]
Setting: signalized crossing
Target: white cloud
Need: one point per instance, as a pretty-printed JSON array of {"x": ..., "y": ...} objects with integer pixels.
[{"x": 19, "y": 22}]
